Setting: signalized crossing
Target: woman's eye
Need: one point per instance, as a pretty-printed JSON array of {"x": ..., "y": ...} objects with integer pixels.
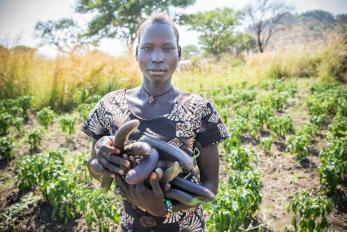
[
  {"x": 147, "y": 49},
  {"x": 168, "y": 49}
]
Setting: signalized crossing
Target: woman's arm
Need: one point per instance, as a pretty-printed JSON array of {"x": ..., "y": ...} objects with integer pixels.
[{"x": 208, "y": 163}]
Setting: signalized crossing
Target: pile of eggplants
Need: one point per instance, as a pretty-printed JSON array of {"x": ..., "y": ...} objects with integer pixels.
[{"x": 167, "y": 160}]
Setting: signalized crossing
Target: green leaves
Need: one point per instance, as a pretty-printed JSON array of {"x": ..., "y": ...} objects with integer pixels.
[
  {"x": 216, "y": 28},
  {"x": 67, "y": 124},
  {"x": 34, "y": 137},
  {"x": 310, "y": 212},
  {"x": 63, "y": 180},
  {"x": 45, "y": 116},
  {"x": 6, "y": 147},
  {"x": 333, "y": 165}
]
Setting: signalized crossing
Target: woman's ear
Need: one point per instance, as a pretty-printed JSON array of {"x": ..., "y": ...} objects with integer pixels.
[
  {"x": 179, "y": 52},
  {"x": 137, "y": 53}
]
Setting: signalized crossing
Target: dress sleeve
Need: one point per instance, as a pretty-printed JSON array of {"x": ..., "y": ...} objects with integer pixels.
[
  {"x": 97, "y": 124},
  {"x": 212, "y": 129}
]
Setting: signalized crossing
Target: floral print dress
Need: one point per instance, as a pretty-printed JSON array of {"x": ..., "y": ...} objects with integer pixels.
[{"x": 192, "y": 124}]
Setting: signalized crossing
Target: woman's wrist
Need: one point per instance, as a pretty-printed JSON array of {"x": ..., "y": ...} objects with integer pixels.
[{"x": 168, "y": 207}]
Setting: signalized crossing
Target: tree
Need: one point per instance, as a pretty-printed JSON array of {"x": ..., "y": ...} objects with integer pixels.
[
  {"x": 190, "y": 51},
  {"x": 320, "y": 16},
  {"x": 341, "y": 20},
  {"x": 216, "y": 28},
  {"x": 120, "y": 18},
  {"x": 62, "y": 33},
  {"x": 264, "y": 17}
]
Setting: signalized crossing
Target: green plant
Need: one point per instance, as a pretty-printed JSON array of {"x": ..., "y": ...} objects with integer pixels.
[
  {"x": 239, "y": 158},
  {"x": 84, "y": 110},
  {"x": 67, "y": 124},
  {"x": 236, "y": 200},
  {"x": 266, "y": 144},
  {"x": 38, "y": 169},
  {"x": 333, "y": 165},
  {"x": 6, "y": 147},
  {"x": 338, "y": 127},
  {"x": 25, "y": 103},
  {"x": 34, "y": 138},
  {"x": 280, "y": 126},
  {"x": 310, "y": 212},
  {"x": 298, "y": 146},
  {"x": 45, "y": 116},
  {"x": 10, "y": 215},
  {"x": 99, "y": 209}
]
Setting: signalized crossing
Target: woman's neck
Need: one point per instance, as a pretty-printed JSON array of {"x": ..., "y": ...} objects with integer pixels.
[{"x": 156, "y": 88}]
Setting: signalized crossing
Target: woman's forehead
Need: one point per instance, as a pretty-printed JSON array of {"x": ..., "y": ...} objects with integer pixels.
[{"x": 158, "y": 33}]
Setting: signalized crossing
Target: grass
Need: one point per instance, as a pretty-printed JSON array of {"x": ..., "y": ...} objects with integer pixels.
[{"x": 53, "y": 82}]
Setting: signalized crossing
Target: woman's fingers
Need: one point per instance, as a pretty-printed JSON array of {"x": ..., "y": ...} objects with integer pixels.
[
  {"x": 98, "y": 169},
  {"x": 153, "y": 180},
  {"x": 122, "y": 185},
  {"x": 109, "y": 149},
  {"x": 133, "y": 161},
  {"x": 110, "y": 167},
  {"x": 115, "y": 159}
]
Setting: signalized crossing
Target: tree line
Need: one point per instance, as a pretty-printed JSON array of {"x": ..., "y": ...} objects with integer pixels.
[{"x": 221, "y": 30}]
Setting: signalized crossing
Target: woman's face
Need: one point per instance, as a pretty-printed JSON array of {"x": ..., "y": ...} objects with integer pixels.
[{"x": 158, "y": 52}]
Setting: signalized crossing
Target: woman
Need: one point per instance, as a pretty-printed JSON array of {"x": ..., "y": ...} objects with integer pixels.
[{"x": 185, "y": 120}]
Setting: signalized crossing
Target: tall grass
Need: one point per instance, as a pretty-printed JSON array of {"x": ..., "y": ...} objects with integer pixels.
[
  {"x": 54, "y": 82},
  {"x": 321, "y": 60}
]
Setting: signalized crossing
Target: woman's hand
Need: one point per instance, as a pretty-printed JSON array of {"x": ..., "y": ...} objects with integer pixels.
[
  {"x": 108, "y": 160},
  {"x": 149, "y": 199}
]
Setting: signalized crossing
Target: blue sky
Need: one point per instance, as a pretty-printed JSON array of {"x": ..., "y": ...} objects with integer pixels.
[{"x": 18, "y": 17}]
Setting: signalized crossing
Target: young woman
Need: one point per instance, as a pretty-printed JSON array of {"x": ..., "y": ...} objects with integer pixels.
[{"x": 185, "y": 120}]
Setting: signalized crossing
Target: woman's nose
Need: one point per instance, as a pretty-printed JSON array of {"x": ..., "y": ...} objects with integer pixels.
[{"x": 157, "y": 56}]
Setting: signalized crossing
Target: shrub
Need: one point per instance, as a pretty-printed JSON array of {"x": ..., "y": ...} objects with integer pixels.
[
  {"x": 34, "y": 138},
  {"x": 45, "y": 116},
  {"x": 310, "y": 212}
]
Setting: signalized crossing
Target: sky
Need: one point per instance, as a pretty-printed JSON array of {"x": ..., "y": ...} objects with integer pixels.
[{"x": 18, "y": 18}]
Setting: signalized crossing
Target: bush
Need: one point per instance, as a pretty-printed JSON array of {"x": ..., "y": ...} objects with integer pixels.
[
  {"x": 34, "y": 138},
  {"x": 45, "y": 116},
  {"x": 67, "y": 124},
  {"x": 310, "y": 212},
  {"x": 333, "y": 165},
  {"x": 6, "y": 147}
]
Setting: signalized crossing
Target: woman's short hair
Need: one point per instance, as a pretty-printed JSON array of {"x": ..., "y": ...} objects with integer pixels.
[{"x": 159, "y": 18}]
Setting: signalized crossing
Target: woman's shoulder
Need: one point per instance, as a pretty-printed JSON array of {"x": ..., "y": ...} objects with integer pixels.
[
  {"x": 115, "y": 97},
  {"x": 193, "y": 98}
]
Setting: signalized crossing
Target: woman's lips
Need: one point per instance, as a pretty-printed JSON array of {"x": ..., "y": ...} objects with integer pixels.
[{"x": 157, "y": 71}]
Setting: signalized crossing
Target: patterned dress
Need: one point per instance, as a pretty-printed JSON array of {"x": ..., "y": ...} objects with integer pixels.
[{"x": 192, "y": 124}]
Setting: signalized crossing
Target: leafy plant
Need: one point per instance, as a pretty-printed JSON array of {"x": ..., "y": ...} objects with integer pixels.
[
  {"x": 236, "y": 200},
  {"x": 239, "y": 158},
  {"x": 338, "y": 127},
  {"x": 38, "y": 169},
  {"x": 45, "y": 116},
  {"x": 67, "y": 124},
  {"x": 6, "y": 120},
  {"x": 6, "y": 147},
  {"x": 266, "y": 144},
  {"x": 298, "y": 146},
  {"x": 280, "y": 126},
  {"x": 333, "y": 165},
  {"x": 84, "y": 110},
  {"x": 25, "y": 103},
  {"x": 310, "y": 212},
  {"x": 34, "y": 138}
]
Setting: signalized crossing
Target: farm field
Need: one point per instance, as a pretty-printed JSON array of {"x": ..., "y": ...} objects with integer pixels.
[{"x": 284, "y": 168}]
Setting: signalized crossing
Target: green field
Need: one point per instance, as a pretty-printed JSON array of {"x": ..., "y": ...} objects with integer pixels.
[{"x": 284, "y": 168}]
